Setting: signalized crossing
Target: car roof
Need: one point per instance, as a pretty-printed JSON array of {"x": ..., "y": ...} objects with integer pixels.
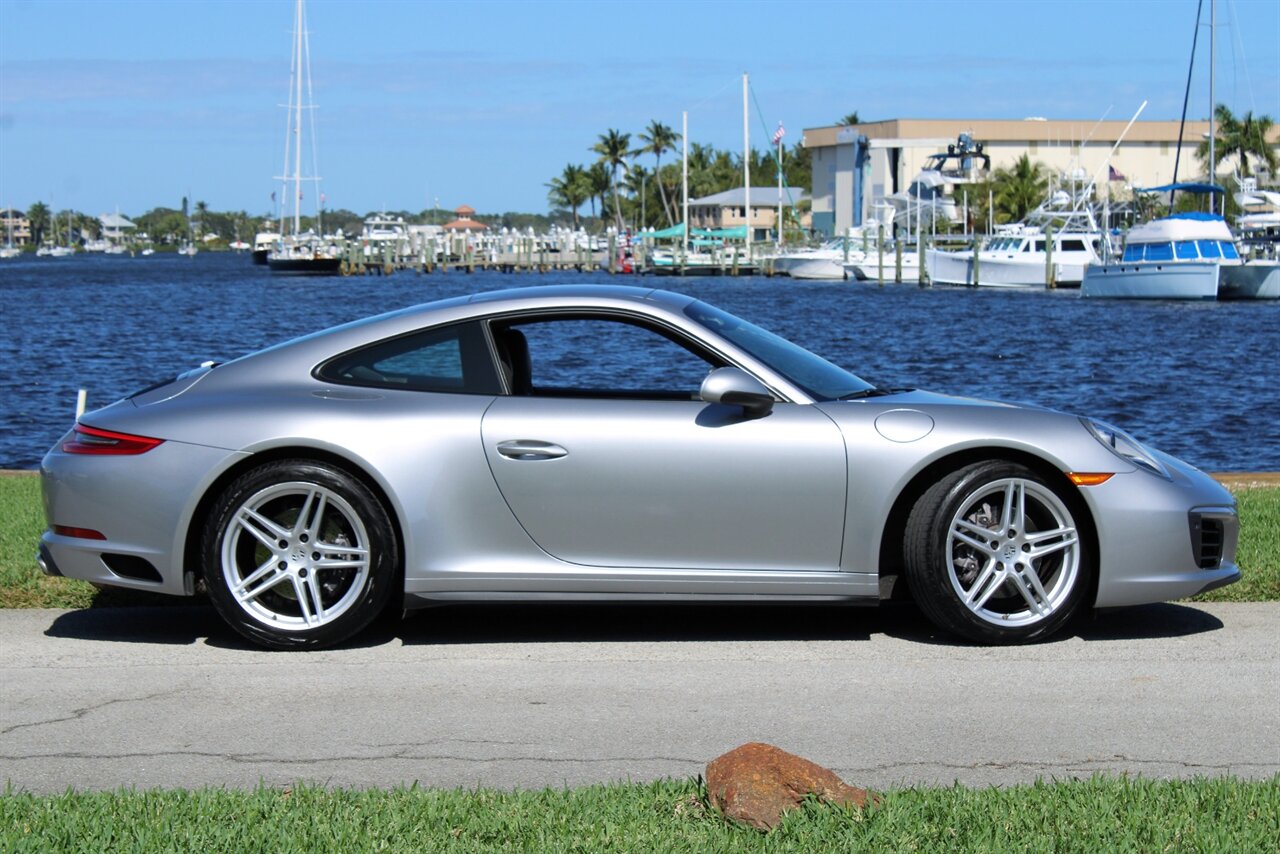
[{"x": 326, "y": 341}]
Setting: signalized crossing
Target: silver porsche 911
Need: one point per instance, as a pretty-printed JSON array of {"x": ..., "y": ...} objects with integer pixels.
[{"x": 610, "y": 443}]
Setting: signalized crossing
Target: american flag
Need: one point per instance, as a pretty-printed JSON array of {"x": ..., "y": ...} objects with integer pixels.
[
  {"x": 1115, "y": 174},
  {"x": 779, "y": 134}
]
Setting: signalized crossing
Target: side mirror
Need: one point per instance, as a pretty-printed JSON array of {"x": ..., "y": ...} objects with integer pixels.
[{"x": 736, "y": 387}]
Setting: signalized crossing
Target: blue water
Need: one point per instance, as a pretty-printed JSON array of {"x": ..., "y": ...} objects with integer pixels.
[{"x": 1198, "y": 380}]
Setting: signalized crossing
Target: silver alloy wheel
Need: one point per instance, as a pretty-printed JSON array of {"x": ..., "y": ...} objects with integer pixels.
[
  {"x": 295, "y": 556},
  {"x": 1013, "y": 552}
]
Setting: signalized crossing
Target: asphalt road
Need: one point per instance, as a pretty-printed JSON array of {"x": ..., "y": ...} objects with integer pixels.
[{"x": 552, "y": 696}]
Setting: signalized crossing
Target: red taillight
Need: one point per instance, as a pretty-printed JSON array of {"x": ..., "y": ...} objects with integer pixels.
[
  {"x": 91, "y": 440},
  {"x": 78, "y": 533}
]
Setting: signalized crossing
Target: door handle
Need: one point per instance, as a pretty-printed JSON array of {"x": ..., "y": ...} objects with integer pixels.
[{"x": 530, "y": 449}]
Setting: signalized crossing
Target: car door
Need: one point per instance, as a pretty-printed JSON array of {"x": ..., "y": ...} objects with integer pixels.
[{"x": 607, "y": 457}]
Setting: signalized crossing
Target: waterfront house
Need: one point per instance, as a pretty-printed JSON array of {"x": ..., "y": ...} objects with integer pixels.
[
  {"x": 114, "y": 227},
  {"x": 728, "y": 209},
  {"x": 15, "y": 221}
]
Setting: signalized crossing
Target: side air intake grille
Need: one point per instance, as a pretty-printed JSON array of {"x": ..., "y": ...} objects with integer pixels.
[{"x": 1208, "y": 539}]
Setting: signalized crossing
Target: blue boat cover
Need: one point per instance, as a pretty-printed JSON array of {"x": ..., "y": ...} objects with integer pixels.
[
  {"x": 1188, "y": 187},
  {"x": 1197, "y": 216}
]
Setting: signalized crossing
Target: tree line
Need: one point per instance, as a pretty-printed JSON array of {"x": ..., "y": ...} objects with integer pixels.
[
  {"x": 629, "y": 194},
  {"x": 620, "y": 190}
]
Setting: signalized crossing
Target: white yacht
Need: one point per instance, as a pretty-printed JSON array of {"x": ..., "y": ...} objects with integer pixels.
[
  {"x": 816, "y": 262},
  {"x": 871, "y": 266},
  {"x": 1258, "y": 224},
  {"x": 1176, "y": 257},
  {"x": 930, "y": 195},
  {"x": 1018, "y": 255}
]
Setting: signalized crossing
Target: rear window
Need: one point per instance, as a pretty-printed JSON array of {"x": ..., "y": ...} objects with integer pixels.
[{"x": 447, "y": 359}]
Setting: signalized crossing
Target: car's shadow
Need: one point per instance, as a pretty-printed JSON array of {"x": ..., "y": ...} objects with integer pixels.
[{"x": 608, "y": 623}]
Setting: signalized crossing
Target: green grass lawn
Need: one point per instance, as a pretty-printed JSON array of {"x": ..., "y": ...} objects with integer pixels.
[
  {"x": 23, "y": 586},
  {"x": 1100, "y": 814}
]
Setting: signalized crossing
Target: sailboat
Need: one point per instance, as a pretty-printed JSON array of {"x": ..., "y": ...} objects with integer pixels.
[
  {"x": 60, "y": 251},
  {"x": 300, "y": 252}
]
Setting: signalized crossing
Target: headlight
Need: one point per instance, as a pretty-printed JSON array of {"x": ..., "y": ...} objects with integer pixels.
[{"x": 1125, "y": 446}]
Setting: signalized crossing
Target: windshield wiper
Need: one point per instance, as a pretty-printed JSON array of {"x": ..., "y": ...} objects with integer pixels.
[{"x": 875, "y": 391}]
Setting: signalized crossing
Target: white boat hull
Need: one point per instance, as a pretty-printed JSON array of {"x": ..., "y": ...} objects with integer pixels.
[
  {"x": 1189, "y": 281},
  {"x": 870, "y": 269},
  {"x": 816, "y": 268},
  {"x": 1254, "y": 280},
  {"x": 956, "y": 268}
]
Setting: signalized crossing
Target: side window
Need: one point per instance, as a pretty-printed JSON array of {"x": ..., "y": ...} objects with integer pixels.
[
  {"x": 579, "y": 356},
  {"x": 448, "y": 359}
]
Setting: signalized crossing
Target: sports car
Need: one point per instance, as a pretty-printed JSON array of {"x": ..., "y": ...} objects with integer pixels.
[{"x": 606, "y": 443}]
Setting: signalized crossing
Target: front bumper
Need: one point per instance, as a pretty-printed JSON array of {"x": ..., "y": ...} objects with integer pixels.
[{"x": 1159, "y": 539}]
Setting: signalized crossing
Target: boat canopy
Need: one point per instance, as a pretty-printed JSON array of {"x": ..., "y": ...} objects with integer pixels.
[
  {"x": 1182, "y": 226},
  {"x": 673, "y": 231},
  {"x": 736, "y": 233},
  {"x": 1186, "y": 187}
]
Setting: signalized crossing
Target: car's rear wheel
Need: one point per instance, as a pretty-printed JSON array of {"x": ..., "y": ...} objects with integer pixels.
[
  {"x": 994, "y": 553},
  {"x": 298, "y": 554}
]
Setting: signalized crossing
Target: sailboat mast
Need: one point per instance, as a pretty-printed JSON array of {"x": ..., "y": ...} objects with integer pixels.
[
  {"x": 1213, "y": 163},
  {"x": 297, "y": 122},
  {"x": 746, "y": 165},
  {"x": 684, "y": 175}
]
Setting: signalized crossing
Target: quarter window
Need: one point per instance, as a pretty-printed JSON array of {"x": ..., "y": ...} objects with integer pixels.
[{"x": 448, "y": 359}]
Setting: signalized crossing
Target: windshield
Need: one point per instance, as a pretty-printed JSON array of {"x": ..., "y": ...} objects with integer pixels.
[{"x": 817, "y": 377}]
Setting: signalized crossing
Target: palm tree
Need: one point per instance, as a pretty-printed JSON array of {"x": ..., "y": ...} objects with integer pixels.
[
  {"x": 850, "y": 119},
  {"x": 613, "y": 148},
  {"x": 639, "y": 182},
  {"x": 1019, "y": 189},
  {"x": 1245, "y": 137},
  {"x": 570, "y": 190},
  {"x": 659, "y": 138},
  {"x": 38, "y": 216},
  {"x": 598, "y": 183},
  {"x": 202, "y": 211}
]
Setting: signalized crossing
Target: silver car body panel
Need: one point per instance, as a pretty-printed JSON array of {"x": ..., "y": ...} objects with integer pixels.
[{"x": 600, "y": 498}]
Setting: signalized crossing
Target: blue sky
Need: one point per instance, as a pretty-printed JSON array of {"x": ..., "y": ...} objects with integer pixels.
[{"x": 113, "y": 103}]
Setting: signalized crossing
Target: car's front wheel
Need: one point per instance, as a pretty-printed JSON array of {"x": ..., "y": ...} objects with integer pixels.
[
  {"x": 994, "y": 553},
  {"x": 298, "y": 554}
]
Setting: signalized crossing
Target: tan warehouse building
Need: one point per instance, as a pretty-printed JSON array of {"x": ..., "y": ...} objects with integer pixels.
[{"x": 891, "y": 152}]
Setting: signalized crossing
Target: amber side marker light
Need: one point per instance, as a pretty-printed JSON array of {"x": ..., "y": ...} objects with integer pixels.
[
  {"x": 91, "y": 440},
  {"x": 1089, "y": 478}
]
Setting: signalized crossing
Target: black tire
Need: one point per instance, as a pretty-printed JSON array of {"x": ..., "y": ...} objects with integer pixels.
[
  {"x": 995, "y": 554},
  {"x": 286, "y": 580}
]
